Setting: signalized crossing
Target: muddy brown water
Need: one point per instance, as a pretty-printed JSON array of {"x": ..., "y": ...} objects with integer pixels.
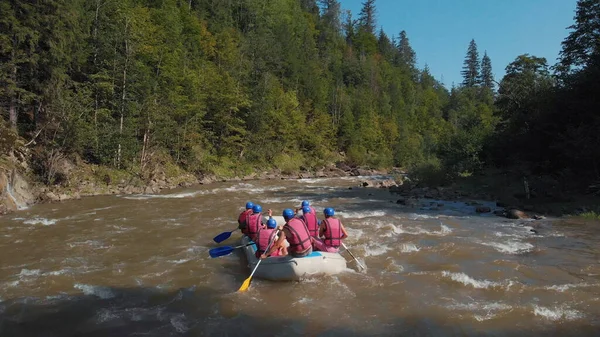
[{"x": 137, "y": 265}]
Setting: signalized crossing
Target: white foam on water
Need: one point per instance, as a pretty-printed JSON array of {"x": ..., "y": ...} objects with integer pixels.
[
  {"x": 482, "y": 311},
  {"x": 509, "y": 235},
  {"x": 510, "y": 247},
  {"x": 103, "y": 208},
  {"x": 58, "y": 272},
  {"x": 310, "y": 180},
  {"x": 180, "y": 261},
  {"x": 557, "y": 313},
  {"x": 415, "y": 216},
  {"x": 273, "y": 200},
  {"x": 121, "y": 229},
  {"x": 247, "y": 188},
  {"x": 179, "y": 323},
  {"x": 106, "y": 315},
  {"x": 99, "y": 291},
  {"x": 393, "y": 267},
  {"x": 361, "y": 215},
  {"x": 469, "y": 281},
  {"x": 409, "y": 248},
  {"x": 91, "y": 243},
  {"x": 28, "y": 272},
  {"x": 40, "y": 221},
  {"x": 376, "y": 250},
  {"x": 564, "y": 287},
  {"x": 354, "y": 234},
  {"x": 11, "y": 284},
  {"x": 474, "y": 306},
  {"x": 18, "y": 219},
  {"x": 391, "y": 230},
  {"x": 303, "y": 300},
  {"x": 444, "y": 230},
  {"x": 164, "y": 196}
]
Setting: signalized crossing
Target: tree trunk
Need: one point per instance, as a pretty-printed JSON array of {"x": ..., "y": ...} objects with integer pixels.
[
  {"x": 12, "y": 108},
  {"x": 12, "y": 113},
  {"x": 123, "y": 98}
]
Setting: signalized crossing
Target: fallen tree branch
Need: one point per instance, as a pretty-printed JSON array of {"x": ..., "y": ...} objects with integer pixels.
[{"x": 34, "y": 137}]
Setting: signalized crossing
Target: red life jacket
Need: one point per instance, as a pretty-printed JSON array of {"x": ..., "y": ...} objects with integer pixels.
[
  {"x": 312, "y": 224},
  {"x": 254, "y": 223},
  {"x": 243, "y": 220},
  {"x": 300, "y": 237},
  {"x": 263, "y": 238},
  {"x": 333, "y": 232}
]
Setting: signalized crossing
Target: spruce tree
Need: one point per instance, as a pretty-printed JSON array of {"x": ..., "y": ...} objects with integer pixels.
[
  {"x": 386, "y": 48},
  {"x": 471, "y": 69},
  {"x": 582, "y": 45},
  {"x": 366, "y": 17},
  {"x": 330, "y": 14},
  {"x": 406, "y": 54},
  {"x": 486, "y": 78}
]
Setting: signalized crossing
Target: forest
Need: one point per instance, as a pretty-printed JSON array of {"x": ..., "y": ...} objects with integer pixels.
[{"x": 231, "y": 86}]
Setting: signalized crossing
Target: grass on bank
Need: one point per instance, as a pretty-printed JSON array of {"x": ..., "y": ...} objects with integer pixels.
[{"x": 591, "y": 215}]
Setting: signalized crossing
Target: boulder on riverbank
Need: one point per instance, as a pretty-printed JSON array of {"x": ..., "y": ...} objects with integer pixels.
[{"x": 15, "y": 191}]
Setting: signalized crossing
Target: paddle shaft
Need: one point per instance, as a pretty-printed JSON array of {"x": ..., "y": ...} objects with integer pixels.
[
  {"x": 354, "y": 257},
  {"x": 242, "y": 288}
]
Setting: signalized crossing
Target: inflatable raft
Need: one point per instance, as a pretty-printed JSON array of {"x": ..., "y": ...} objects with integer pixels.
[{"x": 288, "y": 268}]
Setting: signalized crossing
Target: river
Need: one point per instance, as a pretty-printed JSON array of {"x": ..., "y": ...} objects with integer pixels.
[{"x": 137, "y": 265}]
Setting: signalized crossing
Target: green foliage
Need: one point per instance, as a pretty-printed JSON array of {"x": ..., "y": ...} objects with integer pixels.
[
  {"x": 430, "y": 172},
  {"x": 471, "y": 67},
  {"x": 224, "y": 87},
  {"x": 486, "y": 77},
  {"x": 288, "y": 163},
  {"x": 590, "y": 215}
]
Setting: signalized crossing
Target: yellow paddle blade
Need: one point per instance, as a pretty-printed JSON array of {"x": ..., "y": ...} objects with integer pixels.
[{"x": 245, "y": 285}]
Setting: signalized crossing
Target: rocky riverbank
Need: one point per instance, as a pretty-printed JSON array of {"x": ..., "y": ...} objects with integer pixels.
[
  {"x": 75, "y": 179},
  {"x": 537, "y": 198}
]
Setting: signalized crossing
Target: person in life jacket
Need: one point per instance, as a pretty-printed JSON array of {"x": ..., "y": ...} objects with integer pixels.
[
  {"x": 243, "y": 218},
  {"x": 269, "y": 235},
  {"x": 255, "y": 222},
  {"x": 332, "y": 231},
  {"x": 305, "y": 203},
  {"x": 309, "y": 216},
  {"x": 296, "y": 233}
]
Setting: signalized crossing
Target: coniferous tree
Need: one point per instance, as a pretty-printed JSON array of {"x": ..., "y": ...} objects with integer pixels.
[
  {"x": 366, "y": 18},
  {"x": 406, "y": 54},
  {"x": 471, "y": 66},
  {"x": 582, "y": 46},
  {"x": 486, "y": 77},
  {"x": 386, "y": 48},
  {"x": 331, "y": 12}
]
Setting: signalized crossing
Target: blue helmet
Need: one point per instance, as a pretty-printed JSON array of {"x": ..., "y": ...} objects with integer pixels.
[
  {"x": 271, "y": 223},
  {"x": 287, "y": 214},
  {"x": 249, "y": 205},
  {"x": 256, "y": 208},
  {"x": 306, "y": 209},
  {"x": 305, "y": 203},
  {"x": 328, "y": 211}
]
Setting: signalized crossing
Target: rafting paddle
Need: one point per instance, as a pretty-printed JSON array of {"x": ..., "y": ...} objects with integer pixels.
[
  {"x": 246, "y": 283},
  {"x": 223, "y": 236},
  {"x": 225, "y": 250},
  {"x": 354, "y": 257}
]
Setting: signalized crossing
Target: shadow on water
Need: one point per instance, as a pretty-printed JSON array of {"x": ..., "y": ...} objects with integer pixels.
[{"x": 199, "y": 311}]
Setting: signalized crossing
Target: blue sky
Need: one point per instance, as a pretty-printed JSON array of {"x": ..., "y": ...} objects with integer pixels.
[{"x": 440, "y": 30}]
